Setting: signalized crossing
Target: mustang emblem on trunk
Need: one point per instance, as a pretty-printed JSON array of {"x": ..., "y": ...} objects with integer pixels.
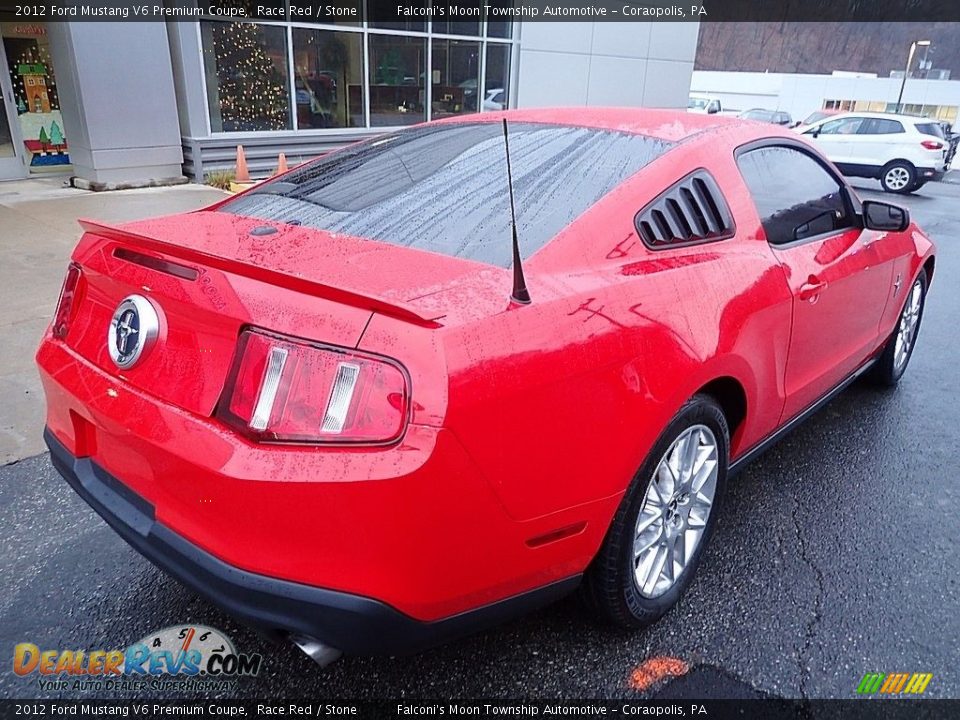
[{"x": 133, "y": 330}]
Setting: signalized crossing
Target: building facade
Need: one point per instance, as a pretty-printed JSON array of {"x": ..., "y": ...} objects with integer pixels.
[
  {"x": 801, "y": 94},
  {"x": 118, "y": 104}
]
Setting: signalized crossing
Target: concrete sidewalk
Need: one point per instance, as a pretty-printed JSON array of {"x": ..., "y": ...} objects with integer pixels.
[{"x": 38, "y": 230}]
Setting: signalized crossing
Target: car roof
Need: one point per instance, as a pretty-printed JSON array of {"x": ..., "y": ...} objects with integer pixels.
[
  {"x": 881, "y": 116},
  {"x": 670, "y": 125}
]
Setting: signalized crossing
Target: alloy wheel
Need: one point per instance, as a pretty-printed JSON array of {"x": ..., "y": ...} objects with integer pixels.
[
  {"x": 897, "y": 178},
  {"x": 907, "y": 329},
  {"x": 676, "y": 506}
]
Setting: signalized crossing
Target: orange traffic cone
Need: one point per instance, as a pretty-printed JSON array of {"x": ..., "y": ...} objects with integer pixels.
[
  {"x": 281, "y": 164},
  {"x": 242, "y": 174}
]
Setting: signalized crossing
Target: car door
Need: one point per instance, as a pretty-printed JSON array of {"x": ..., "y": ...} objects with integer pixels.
[
  {"x": 832, "y": 137},
  {"x": 838, "y": 282},
  {"x": 877, "y": 142}
]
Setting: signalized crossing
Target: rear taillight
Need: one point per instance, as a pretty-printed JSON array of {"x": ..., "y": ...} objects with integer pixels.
[
  {"x": 64, "y": 314},
  {"x": 287, "y": 390},
  {"x": 932, "y": 144}
]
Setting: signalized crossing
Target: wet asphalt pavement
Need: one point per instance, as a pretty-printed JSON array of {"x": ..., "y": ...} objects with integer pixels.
[{"x": 838, "y": 553}]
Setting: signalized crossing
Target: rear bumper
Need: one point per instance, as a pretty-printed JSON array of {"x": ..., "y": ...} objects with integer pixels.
[
  {"x": 930, "y": 173},
  {"x": 414, "y": 525},
  {"x": 351, "y": 623}
]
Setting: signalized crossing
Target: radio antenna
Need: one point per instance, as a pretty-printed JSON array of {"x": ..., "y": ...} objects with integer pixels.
[{"x": 520, "y": 293}]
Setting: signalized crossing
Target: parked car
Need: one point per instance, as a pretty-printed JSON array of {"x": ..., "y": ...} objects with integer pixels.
[
  {"x": 904, "y": 152},
  {"x": 703, "y": 104},
  {"x": 495, "y": 99},
  {"x": 340, "y": 406},
  {"x": 813, "y": 117},
  {"x": 777, "y": 117}
]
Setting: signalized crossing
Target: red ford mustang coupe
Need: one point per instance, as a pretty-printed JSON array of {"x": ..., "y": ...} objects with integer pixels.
[{"x": 352, "y": 409}]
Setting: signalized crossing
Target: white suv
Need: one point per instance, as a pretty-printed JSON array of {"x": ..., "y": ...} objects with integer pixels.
[{"x": 903, "y": 152}]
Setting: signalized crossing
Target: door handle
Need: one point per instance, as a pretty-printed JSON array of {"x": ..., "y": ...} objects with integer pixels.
[{"x": 811, "y": 289}]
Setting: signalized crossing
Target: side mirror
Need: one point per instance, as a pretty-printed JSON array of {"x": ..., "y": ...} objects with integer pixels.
[
  {"x": 884, "y": 216},
  {"x": 713, "y": 108},
  {"x": 813, "y": 133}
]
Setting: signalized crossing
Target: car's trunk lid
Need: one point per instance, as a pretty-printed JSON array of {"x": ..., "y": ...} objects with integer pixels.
[{"x": 210, "y": 274}]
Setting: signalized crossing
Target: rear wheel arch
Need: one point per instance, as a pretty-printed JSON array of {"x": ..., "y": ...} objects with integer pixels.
[
  {"x": 732, "y": 398},
  {"x": 611, "y": 585},
  {"x": 896, "y": 161}
]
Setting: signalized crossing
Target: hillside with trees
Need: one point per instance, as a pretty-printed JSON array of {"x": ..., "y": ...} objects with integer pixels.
[{"x": 803, "y": 47}]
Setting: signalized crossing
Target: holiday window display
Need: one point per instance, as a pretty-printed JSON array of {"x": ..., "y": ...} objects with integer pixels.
[{"x": 35, "y": 95}]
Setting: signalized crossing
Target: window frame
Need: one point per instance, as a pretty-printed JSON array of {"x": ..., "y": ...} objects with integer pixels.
[{"x": 850, "y": 201}]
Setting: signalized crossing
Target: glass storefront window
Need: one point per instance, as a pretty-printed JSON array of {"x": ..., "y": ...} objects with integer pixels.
[
  {"x": 246, "y": 72},
  {"x": 328, "y": 77},
  {"x": 398, "y": 68},
  {"x": 497, "y": 87},
  {"x": 291, "y": 75},
  {"x": 456, "y": 77}
]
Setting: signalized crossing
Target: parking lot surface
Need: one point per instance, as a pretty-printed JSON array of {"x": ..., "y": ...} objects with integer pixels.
[{"x": 837, "y": 554}]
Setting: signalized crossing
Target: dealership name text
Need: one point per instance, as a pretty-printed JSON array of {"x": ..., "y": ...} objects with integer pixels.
[{"x": 571, "y": 710}]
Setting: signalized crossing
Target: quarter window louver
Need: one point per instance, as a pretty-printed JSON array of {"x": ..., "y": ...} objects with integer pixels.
[{"x": 691, "y": 211}]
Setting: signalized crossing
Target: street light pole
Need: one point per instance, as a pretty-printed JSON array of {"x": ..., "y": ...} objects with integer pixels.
[{"x": 903, "y": 83}]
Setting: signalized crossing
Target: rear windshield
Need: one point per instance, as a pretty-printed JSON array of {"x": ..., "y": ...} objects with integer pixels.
[
  {"x": 443, "y": 188},
  {"x": 930, "y": 129}
]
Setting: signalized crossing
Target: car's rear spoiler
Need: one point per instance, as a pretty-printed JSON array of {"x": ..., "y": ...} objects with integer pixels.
[{"x": 347, "y": 296}]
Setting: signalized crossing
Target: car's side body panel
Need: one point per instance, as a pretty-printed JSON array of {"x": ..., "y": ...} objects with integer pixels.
[
  {"x": 907, "y": 253},
  {"x": 617, "y": 338},
  {"x": 835, "y": 329}
]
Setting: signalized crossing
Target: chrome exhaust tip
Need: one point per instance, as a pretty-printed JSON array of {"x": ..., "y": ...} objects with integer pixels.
[{"x": 317, "y": 651}]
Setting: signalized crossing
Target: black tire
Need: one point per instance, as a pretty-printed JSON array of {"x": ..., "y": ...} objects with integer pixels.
[
  {"x": 609, "y": 588},
  {"x": 893, "y": 173},
  {"x": 887, "y": 371}
]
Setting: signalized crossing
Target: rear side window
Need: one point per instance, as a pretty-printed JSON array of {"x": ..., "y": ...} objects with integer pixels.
[
  {"x": 930, "y": 129},
  {"x": 443, "y": 188},
  {"x": 880, "y": 126},
  {"x": 795, "y": 196}
]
